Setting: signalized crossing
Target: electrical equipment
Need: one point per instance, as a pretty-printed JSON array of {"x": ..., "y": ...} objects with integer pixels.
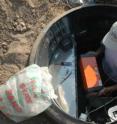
[{"x": 90, "y": 73}]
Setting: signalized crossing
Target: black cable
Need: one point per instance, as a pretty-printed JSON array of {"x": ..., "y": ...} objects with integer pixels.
[
  {"x": 102, "y": 106},
  {"x": 66, "y": 78}
]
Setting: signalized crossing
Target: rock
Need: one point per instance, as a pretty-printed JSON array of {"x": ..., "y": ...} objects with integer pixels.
[
  {"x": 4, "y": 44},
  {"x": 4, "y": 51},
  {"x": 19, "y": 26},
  {"x": 30, "y": 2},
  {"x": 3, "y": 48}
]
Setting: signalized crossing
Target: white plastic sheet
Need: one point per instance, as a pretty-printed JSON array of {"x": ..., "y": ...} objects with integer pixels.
[{"x": 27, "y": 93}]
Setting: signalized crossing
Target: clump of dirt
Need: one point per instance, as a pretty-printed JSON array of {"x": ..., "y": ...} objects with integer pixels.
[{"x": 20, "y": 23}]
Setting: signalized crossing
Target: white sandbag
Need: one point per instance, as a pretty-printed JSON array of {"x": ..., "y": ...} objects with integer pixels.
[{"x": 27, "y": 93}]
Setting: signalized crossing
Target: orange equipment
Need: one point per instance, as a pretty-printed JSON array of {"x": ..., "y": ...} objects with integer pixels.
[{"x": 90, "y": 73}]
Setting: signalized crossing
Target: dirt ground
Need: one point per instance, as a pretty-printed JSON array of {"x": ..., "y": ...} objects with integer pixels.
[{"x": 20, "y": 23}]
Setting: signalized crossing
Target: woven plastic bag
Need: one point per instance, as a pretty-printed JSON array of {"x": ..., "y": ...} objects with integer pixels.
[{"x": 27, "y": 93}]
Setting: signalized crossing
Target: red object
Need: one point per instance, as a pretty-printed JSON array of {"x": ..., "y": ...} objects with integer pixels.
[{"x": 90, "y": 73}]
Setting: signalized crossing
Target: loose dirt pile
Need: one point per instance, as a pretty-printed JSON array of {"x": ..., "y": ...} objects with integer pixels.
[{"x": 20, "y": 23}]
